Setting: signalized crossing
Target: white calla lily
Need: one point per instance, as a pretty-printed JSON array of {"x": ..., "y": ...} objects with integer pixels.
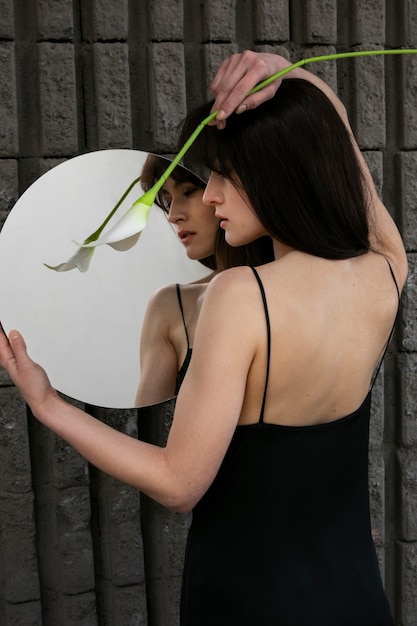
[
  {"x": 125, "y": 233},
  {"x": 82, "y": 258}
]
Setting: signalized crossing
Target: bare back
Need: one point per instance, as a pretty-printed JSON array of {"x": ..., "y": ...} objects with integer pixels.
[{"x": 330, "y": 322}]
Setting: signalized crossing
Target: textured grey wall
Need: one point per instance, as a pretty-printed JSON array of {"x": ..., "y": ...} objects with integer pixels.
[{"x": 82, "y": 75}]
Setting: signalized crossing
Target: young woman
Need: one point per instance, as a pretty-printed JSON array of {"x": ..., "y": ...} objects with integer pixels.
[
  {"x": 270, "y": 434},
  {"x": 172, "y": 313}
]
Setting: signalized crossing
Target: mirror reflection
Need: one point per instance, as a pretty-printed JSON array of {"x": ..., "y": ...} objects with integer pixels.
[
  {"x": 85, "y": 328},
  {"x": 172, "y": 313}
]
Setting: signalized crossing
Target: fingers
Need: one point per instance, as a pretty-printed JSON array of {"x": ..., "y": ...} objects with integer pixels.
[
  {"x": 17, "y": 343},
  {"x": 232, "y": 83},
  {"x": 12, "y": 349},
  {"x": 236, "y": 78},
  {"x": 4, "y": 342},
  {"x": 7, "y": 357},
  {"x": 222, "y": 71}
]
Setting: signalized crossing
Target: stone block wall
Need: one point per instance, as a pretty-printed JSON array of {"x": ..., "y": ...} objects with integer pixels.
[{"x": 83, "y": 75}]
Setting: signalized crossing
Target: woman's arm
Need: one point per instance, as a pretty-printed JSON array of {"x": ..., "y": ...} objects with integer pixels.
[
  {"x": 179, "y": 474},
  {"x": 241, "y": 72},
  {"x": 158, "y": 358}
]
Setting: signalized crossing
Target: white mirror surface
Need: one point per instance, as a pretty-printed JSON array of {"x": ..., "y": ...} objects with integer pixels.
[{"x": 84, "y": 328}]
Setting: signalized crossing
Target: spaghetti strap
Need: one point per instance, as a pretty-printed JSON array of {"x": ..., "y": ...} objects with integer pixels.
[
  {"x": 182, "y": 314},
  {"x": 395, "y": 280},
  {"x": 268, "y": 330},
  {"x": 378, "y": 367}
]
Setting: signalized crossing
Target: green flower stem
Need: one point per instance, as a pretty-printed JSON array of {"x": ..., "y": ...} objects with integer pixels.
[
  {"x": 95, "y": 235},
  {"x": 328, "y": 57},
  {"x": 157, "y": 186}
]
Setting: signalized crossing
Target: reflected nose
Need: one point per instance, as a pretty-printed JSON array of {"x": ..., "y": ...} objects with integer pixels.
[{"x": 175, "y": 214}]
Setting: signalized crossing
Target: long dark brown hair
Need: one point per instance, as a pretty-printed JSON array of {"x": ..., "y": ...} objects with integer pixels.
[{"x": 295, "y": 159}]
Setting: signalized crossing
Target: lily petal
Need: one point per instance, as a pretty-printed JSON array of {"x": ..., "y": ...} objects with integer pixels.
[
  {"x": 80, "y": 260},
  {"x": 125, "y": 233},
  {"x": 125, "y": 244}
]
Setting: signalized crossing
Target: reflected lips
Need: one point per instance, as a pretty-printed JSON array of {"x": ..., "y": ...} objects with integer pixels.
[{"x": 185, "y": 235}]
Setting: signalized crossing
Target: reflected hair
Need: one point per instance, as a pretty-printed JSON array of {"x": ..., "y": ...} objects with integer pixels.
[
  {"x": 295, "y": 159},
  {"x": 155, "y": 166}
]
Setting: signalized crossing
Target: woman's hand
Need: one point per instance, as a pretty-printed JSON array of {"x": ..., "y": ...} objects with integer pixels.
[
  {"x": 29, "y": 377},
  {"x": 237, "y": 76}
]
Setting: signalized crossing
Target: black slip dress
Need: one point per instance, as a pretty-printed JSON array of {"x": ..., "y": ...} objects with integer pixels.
[{"x": 282, "y": 537}]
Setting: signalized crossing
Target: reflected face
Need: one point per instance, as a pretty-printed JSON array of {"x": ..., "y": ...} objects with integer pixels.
[
  {"x": 196, "y": 223},
  {"x": 233, "y": 209}
]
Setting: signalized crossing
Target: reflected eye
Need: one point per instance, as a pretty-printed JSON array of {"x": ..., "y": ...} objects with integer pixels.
[{"x": 189, "y": 191}]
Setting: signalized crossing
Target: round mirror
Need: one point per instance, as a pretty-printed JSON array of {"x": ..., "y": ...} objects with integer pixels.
[{"x": 84, "y": 328}]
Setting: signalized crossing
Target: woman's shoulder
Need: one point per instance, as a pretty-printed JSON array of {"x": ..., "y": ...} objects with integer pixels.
[
  {"x": 399, "y": 265},
  {"x": 233, "y": 279},
  {"x": 231, "y": 293},
  {"x": 167, "y": 299},
  {"x": 298, "y": 276},
  {"x": 386, "y": 241},
  {"x": 164, "y": 296},
  {"x": 241, "y": 282}
]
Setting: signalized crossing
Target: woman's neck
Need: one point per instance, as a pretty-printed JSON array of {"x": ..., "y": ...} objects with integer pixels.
[
  {"x": 281, "y": 249},
  {"x": 205, "y": 279}
]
